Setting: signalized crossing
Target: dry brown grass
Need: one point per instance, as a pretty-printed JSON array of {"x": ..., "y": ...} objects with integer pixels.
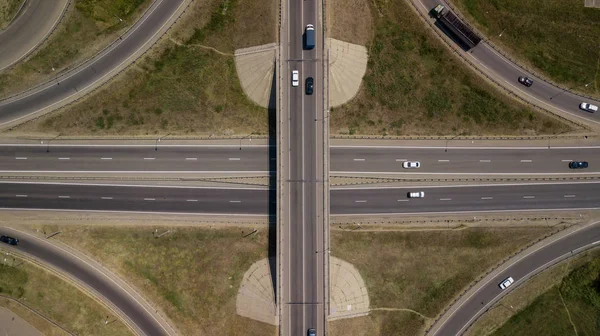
[
  {"x": 415, "y": 86},
  {"x": 421, "y": 271},
  {"x": 58, "y": 300},
  {"x": 525, "y": 294},
  {"x": 181, "y": 87},
  {"x": 193, "y": 274},
  {"x": 8, "y": 10},
  {"x": 81, "y": 35},
  {"x": 350, "y": 21}
]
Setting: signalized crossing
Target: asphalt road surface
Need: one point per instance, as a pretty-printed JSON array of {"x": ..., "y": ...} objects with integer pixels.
[
  {"x": 303, "y": 293},
  {"x": 90, "y": 72},
  {"x": 36, "y": 20},
  {"x": 343, "y": 201},
  {"x": 439, "y": 160},
  {"x": 508, "y": 73},
  {"x": 98, "y": 281},
  {"x": 520, "y": 271}
]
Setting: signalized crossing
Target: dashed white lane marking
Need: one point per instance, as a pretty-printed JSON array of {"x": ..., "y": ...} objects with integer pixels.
[
  {"x": 403, "y": 200},
  {"x": 487, "y": 198},
  {"x": 359, "y": 159},
  {"x": 526, "y": 161},
  {"x": 21, "y": 195},
  {"x": 445, "y": 199},
  {"x": 191, "y": 159},
  {"x": 443, "y": 160},
  {"x": 401, "y": 160},
  {"x": 107, "y": 198},
  {"x": 486, "y": 161},
  {"x": 361, "y": 201},
  {"x": 149, "y": 199},
  {"x": 569, "y": 196},
  {"x": 234, "y": 159},
  {"x": 191, "y": 200},
  {"x": 566, "y": 160},
  {"x": 528, "y": 196},
  {"x": 64, "y": 158},
  {"x": 106, "y": 158},
  {"x": 148, "y": 158},
  {"x": 20, "y": 158},
  {"x": 64, "y": 196},
  {"x": 235, "y": 201}
]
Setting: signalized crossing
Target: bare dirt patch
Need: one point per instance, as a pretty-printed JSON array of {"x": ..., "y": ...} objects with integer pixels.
[{"x": 350, "y": 21}]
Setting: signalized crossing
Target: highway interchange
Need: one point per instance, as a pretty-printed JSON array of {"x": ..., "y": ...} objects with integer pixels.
[{"x": 357, "y": 160}]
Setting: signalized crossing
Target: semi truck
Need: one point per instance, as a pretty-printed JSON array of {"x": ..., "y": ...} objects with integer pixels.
[
  {"x": 463, "y": 32},
  {"x": 309, "y": 37}
]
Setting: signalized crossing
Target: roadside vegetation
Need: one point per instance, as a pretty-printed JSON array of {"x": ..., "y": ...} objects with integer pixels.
[
  {"x": 8, "y": 10},
  {"x": 571, "y": 307},
  {"x": 558, "y": 39},
  {"x": 414, "y": 86},
  {"x": 88, "y": 27},
  {"x": 193, "y": 274},
  {"x": 189, "y": 85},
  {"x": 54, "y": 298},
  {"x": 412, "y": 275}
]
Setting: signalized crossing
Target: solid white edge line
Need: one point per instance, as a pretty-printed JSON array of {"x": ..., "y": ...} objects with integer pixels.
[
  {"x": 465, "y": 147},
  {"x": 142, "y": 171},
  {"x": 458, "y": 185},
  {"x": 455, "y": 212},
  {"x": 132, "y": 146}
]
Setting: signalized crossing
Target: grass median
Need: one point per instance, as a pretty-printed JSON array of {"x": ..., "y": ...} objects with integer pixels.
[
  {"x": 411, "y": 276},
  {"x": 556, "y": 38},
  {"x": 415, "y": 86},
  {"x": 187, "y": 85},
  {"x": 54, "y": 298},
  {"x": 88, "y": 27},
  {"x": 193, "y": 274}
]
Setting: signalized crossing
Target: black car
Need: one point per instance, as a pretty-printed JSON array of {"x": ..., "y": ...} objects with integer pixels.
[
  {"x": 9, "y": 240},
  {"x": 578, "y": 164},
  {"x": 525, "y": 81},
  {"x": 311, "y": 332},
  {"x": 309, "y": 85}
]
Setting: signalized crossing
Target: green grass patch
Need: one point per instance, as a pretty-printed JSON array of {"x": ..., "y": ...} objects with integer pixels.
[
  {"x": 185, "y": 88},
  {"x": 193, "y": 274},
  {"x": 558, "y": 38},
  {"x": 8, "y": 10},
  {"x": 413, "y": 85},
  {"x": 56, "y": 299},
  {"x": 420, "y": 270},
  {"x": 89, "y": 26},
  {"x": 572, "y": 307}
]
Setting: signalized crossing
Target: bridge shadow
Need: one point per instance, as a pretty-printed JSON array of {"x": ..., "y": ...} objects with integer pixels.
[{"x": 272, "y": 157}]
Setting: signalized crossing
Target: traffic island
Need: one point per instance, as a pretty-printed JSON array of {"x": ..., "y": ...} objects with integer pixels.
[
  {"x": 347, "y": 66},
  {"x": 255, "y": 66}
]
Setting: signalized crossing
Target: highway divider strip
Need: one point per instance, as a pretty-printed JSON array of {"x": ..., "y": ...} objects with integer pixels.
[{"x": 378, "y": 180}]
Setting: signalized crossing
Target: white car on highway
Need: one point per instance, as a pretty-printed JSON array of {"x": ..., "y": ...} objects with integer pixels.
[
  {"x": 588, "y": 107},
  {"x": 416, "y": 194},
  {"x": 506, "y": 282},
  {"x": 295, "y": 78},
  {"x": 411, "y": 164}
]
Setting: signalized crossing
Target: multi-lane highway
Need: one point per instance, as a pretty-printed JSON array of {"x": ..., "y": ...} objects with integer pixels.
[
  {"x": 302, "y": 296},
  {"x": 249, "y": 201},
  {"x": 256, "y": 159}
]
